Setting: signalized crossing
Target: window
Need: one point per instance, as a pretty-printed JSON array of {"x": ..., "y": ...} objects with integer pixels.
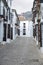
[
  {"x": 24, "y": 25},
  {"x": 24, "y": 31}
]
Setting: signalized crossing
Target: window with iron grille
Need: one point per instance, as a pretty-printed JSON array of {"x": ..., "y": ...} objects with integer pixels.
[{"x": 24, "y": 25}]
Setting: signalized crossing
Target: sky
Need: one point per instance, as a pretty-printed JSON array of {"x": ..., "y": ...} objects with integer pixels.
[{"x": 22, "y": 6}]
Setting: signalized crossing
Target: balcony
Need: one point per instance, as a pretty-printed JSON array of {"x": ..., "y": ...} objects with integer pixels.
[{"x": 2, "y": 12}]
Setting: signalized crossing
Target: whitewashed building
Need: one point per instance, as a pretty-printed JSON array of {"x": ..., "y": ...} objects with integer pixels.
[
  {"x": 3, "y": 20},
  {"x": 26, "y": 28},
  {"x": 8, "y": 18},
  {"x": 37, "y": 11},
  {"x": 41, "y": 24},
  {"x": 14, "y": 24}
]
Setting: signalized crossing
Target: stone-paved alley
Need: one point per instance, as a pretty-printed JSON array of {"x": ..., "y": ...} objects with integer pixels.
[{"x": 22, "y": 51}]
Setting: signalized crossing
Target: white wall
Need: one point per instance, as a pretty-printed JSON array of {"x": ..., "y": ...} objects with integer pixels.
[
  {"x": 1, "y": 4},
  {"x": 1, "y": 31},
  {"x": 41, "y": 8},
  {"x": 14, "y": 21},
  {"x": 29, "y": 28}
]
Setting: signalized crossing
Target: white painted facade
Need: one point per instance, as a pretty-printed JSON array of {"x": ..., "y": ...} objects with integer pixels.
[
  {"x": 6, "y": 25},
  {"x": 1, "y": 30},
  {"x": 41, "y": 22},
  {"x": 9, "y": 20},
  {"x": 36, "y": 25},
  {"x": 1, "y": 21},
  {"x": 28, "y": 27},
  {"x": 13, "y": 25},
  {"x": 41, "y": 9}
]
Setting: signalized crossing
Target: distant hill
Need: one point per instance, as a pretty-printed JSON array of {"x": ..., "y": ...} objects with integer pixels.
[{"x": 27, "y": 15}]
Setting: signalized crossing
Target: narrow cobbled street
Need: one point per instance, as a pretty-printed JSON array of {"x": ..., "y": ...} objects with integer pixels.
[{"x": 22, "y": 51}]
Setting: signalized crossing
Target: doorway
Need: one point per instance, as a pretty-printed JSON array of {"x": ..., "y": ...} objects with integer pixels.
[
  {"x": 5, "y": 28},
  {"x": 24, "y": 31}
]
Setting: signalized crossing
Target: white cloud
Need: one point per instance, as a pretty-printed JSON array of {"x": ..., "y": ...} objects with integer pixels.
[{"x": 22, "y": 5}]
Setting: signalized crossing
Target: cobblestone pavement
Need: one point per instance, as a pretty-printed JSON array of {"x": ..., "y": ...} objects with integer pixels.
[{"x": 22, "y": 51}]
